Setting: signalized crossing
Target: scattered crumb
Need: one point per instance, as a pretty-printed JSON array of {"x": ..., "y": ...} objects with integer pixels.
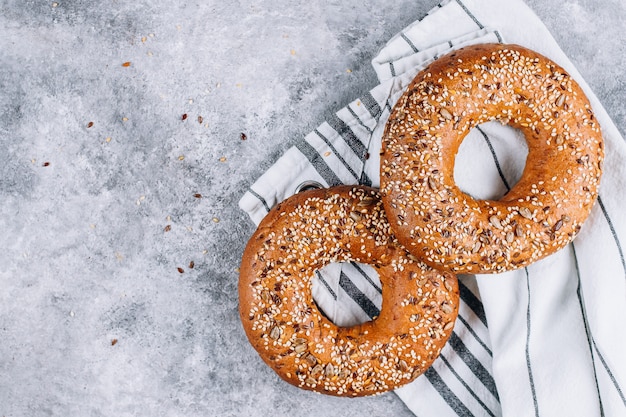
[
  {"x": 200, "y": 119},
  {"x": 46, "y": 164},
  {"x": 108, "y": 139},
  {"x": 184, "y": 117},
  {"x": 71, "y": 313},
  {"x": 150, "y": 53},
  {"x": 197, "y": 195},
  {"x": 243, "y": 136},
  {"x": 124, "y": 119},
  {"x": 126, "y": 64},
  {"x": 223, "y": 159},
  {"x": 191, "y": 264},
  {"x": 90, "y": 124},
  {"x": 167, "y": 228},
  {"x": 180, "y": 270},
  {"x": 327, "y": 153},
  {"x": 144, "y": 39},
  {"x": 182, "y": 157},
  {"x": 348, "y": 70},
  {"x": 293, "y": 52},
  {"x": 113, "y": 342},
  {"x": 216, "y": 220},
  {"x": 204, "y": 252},
  {"x": 55, "y": 4}
]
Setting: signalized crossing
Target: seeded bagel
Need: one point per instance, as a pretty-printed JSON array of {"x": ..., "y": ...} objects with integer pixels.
[
  {"x": 285, "y": 326},
  {"x": 544, "y": 211}
]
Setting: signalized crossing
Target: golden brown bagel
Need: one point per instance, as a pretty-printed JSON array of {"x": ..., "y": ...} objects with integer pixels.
[
  {"x": 282, "y": 322},
  {"x": 447, "y": 228}
]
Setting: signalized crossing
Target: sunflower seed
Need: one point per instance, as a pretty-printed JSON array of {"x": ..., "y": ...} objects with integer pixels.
[
  {"x": 275, "y": 333},
  {"x": 402, "y": 366},
  {"x": 310, "y": 381},
  {"x": 356, "y": 216},
  {"x": 445, "y": 114},
  {"x": 311, "y": 359},
  {"x": 301, "y": 348},
  {"x": 329, "y": 371},
  {"x": 317, "y": 369},
  {"x": 519, "y": 232},
  {"x": 448, "y": 326},
  {"x": 476, "y": 247},
  {"x": 510, "y": 236},
  {"x": 366, "y": 201},
  {"x": 495, "y": 222},
  {"x": 525, "y": 212},
  {"x": 432, "y": 183},
  {"x": 446, "y": 308},
  {"x": 559, "y": 139},
  {"x": 560, "y": 100},
  {"x": 558, "y": 225}
]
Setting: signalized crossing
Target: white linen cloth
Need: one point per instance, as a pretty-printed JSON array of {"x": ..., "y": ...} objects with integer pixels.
[{"x": 547, "y": 340}]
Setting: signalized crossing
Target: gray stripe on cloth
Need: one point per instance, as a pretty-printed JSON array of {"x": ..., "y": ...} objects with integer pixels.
[
  {"x": 473, "y": 364},
  {"x": 358, "y": 119},
  {"x": 613, "y": 232},
  {"x": 318, "y": 163},
  {"x": 527, "y": 349},
  {"x": 478, "y": 339},
  {"x": 348, "y": 135},
  {"x": 392, "y": 69},
  {"x": 608, "y": 371},
  {"x": 473, "y": 303},
  {"x": 326, "y": 285},
  {"x": 466, "y": 10},
  {"x": 371, "y": 105},
  {"x": 466, "y": 385},
  {"x": 337, "y": 154},
  {"x": 446, "y": 393},
  {"x": 260, "y": 198},
  {"x": 583, "y": 313},
  {"x": 366, "y": 276},
  {"x": 357, "y": 295},
  {"x": 495, "y": 158},
  {"x": 409, "y": 42}
]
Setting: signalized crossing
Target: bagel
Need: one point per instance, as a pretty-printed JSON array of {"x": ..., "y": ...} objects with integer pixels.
[
  {"x": 447, "y": 228},
  {"x": 341, "y": 224}
]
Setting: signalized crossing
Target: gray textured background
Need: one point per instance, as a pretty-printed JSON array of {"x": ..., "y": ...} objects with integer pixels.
[{"x": 85, "y": 258}]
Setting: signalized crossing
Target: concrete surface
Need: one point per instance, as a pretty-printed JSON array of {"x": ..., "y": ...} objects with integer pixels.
[{"x": 120, "y": 233}]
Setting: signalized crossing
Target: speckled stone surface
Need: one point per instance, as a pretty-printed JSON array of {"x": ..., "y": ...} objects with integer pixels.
[{"x": 120, "y": 233}]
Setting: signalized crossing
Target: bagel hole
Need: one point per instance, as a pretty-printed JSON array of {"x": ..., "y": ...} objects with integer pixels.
[
  {"x": 490, "y": 161},
  {"x": 347, "y": 293}
]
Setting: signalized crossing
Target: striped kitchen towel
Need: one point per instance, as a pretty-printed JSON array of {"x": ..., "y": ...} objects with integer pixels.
[{"x": 549, "y": 339}]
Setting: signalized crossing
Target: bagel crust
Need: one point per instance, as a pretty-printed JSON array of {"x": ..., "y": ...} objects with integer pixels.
[
  {"x": 341, "y": 224},
  {"x": 544, "y": 211}
]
